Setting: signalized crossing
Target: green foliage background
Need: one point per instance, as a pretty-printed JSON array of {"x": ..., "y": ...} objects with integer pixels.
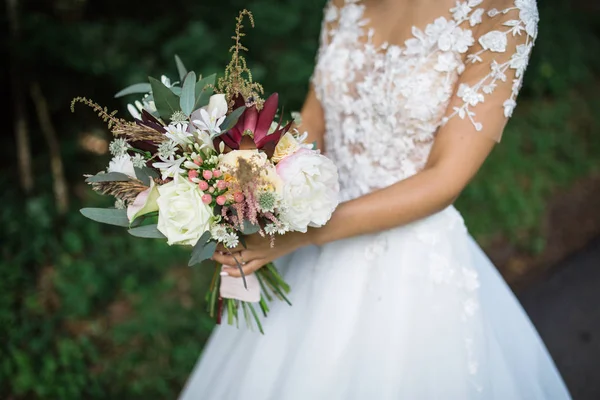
[{"x": 89, "y": 312}]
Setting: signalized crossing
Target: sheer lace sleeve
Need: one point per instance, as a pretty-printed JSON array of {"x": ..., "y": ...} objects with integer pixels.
[{"x": 486, "y": 92}]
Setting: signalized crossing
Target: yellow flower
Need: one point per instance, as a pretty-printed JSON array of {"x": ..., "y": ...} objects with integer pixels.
[{"x": 287, "y": 146}]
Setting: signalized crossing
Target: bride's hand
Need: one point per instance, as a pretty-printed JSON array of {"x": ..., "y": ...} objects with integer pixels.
[{"x": 258, "y": 252}]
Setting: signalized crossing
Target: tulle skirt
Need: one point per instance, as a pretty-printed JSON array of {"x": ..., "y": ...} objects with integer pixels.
[{"x": 416, "y": 312}]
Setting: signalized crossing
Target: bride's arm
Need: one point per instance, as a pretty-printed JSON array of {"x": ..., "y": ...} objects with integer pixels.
[
  {"x": 477, "y": 114},
  {"x": 455, "y": 158},
  {"x": 313, "y": 120}
]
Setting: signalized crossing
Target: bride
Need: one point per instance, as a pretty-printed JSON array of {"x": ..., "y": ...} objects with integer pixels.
[{"x": 393, "y": 299}]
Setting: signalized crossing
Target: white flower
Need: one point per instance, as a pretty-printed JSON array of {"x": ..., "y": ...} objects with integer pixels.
[
  {"x": 138, "y": 160},
  {"x": 270, "y": 229},
  {"x": 310, "y": 189},
  {"x": 170, "y": 167},
  {"x": 469, "y": 95},
  {"x": 178, "y": 133},
  {"x": 118, "y": 147},
  {"x": 182, "y": 216},
  {"x": 165, "y": 81},
  {"x": 520, "y": 59},
  {"x": 498, "y": 71},
  {"x": 460, "y": 11},
  {"x": 122, "y": 164},
  {"x": 134, "y": 111},
  {"x": 509, "y": 106},
  {"x": 529, "y": 15},
  {"x": 212, "y": 115},
  {"x": 476, "y": 17},
  {"x": 494, "y": 41},
  {"x": 218, "y": 232},
  {"x": 120, "y": 204},
  {"x": 167, "y": 149},
  {"x": 458, "y": 40},
  {"x": 231, "y": 240}
]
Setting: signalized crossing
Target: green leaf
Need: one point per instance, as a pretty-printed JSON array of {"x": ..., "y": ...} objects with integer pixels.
[
  {"x": 110, "y": 216},
  {"x": 204, "y": 89},
  {"x": 165, "y": 100},
  {"x": 232, "y": 119},
  {"x": 187, "y": 100},
  {"x": 249, "y": 228},
  {"x": 142, "y": 88},
  {"x": 145, "y": 174},
  {"x": 147, "y": 231},
  {"x": 181, "y": 70},
  {"x": 108, "y": 177},
  {"x": 203, "y": 249}
]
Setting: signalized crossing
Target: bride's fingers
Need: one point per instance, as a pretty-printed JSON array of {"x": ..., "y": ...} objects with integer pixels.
[
  {"x": 242, "y": 257},
  {"x": 223, "y": 249},
  {"x": 248, "y": 268}
]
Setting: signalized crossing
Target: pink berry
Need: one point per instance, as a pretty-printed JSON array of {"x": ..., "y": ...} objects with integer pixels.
[
  {"x": 203, "y": 185},
  {"x": 217, "y": 173},
  {"x": 193, "y": 174},
  {"x": 238, "y": 197},
  {"x": 207, "y": 174},
  {"x": 221, "y": 185},
  {"x": 206, "y": 198},
  {"x": 221, "y": 200},
  {"x": 211, "y": 189}
]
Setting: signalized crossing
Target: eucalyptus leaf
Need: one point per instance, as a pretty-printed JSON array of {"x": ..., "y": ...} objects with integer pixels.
[
  {"x": 249, "y": 228},
  {"x": 140, "y": 88},
  {"x": 203, "y": 249},
  {"x": 108, "y": 177},
  {"x": 147, "y": 231},
  {"x": 176, "y": 90},
  {"x": 204, "y": 89},
  {"x": 232, "y": 119},
  {"x": 181, "y": 70},
  {"x": 110, "y": 216},
  {"x": 145, "y": 174},
  {"x": 165, "y": 100},
  {"x": 187, "y": 99}
]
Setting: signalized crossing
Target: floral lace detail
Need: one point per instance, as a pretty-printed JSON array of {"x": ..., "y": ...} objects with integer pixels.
[{"x": 383, "y": 104}]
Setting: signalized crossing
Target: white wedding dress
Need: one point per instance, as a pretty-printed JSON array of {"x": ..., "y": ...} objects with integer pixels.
[{"x": 417, "y": 312}]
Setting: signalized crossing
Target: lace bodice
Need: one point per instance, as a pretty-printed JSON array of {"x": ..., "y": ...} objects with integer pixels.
[{"x": 384, "y": 103}]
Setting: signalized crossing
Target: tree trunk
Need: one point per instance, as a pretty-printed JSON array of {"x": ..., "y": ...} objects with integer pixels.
[
  {"x": 18, "y": 100},
  {"x": 59, "y": 183}
]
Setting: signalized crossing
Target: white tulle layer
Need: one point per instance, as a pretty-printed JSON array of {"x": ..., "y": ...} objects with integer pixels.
[{"x": 413, "y": 313}]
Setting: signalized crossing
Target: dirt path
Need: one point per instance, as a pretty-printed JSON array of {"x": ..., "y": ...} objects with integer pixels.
[{"x": 565, "y": 307}]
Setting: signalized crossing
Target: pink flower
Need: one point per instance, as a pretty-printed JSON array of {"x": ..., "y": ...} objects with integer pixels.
[
  {"x": 198, "y": 161},
  {"x": 238, "y": 197},
  {"x": 206, "y": 198},
  {"x": 217, "y": 173},
  {"x": 192, "y": 174},
  {"x": 221, "y": 200},
  {"x": 203, "y": 185},
  {"x": 221, "y": 185},
  {"x": 211, "y": 189},
  {"x": 207, "y": 174}
]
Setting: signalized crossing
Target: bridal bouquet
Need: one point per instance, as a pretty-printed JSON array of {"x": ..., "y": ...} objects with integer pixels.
[{"x": 206, "y": 162}]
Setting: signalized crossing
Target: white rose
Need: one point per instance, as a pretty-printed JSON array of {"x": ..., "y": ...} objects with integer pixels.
[
  {"x": 310, "y": 189},
  {"x": 122, "y": 164},
  {"x": 182, "y": 216}
]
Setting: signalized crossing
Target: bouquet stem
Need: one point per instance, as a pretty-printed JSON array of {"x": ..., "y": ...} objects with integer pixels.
[{"x": 272, "y": 286}]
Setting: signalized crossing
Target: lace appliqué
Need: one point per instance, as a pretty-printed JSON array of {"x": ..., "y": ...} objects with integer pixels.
[
  {"x": 496, "y": 41},
  {"x": 383, "y": 104}
]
